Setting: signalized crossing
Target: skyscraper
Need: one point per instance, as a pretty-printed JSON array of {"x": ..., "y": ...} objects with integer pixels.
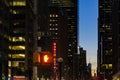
[
  {"x": 66, "y": 28},
  {"x": 60, "y": 28},
  {"x": 20, "y": 37},
  {"x": 108, "y": 38}
]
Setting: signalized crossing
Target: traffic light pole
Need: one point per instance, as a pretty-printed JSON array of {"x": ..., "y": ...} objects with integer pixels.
[
  {"x": 60, "y": 70},
  {"x": 60, "y": 60}
]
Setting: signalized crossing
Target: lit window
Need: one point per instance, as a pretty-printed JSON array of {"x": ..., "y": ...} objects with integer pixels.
[
  {"x": 50, "y": 24},
  {"x": 56, "y": 28},
  {"x": 9, "y": 63},
  {"x": 16, "y": 39},
  {"x": 17, "y": 47},
  {"x": 110, "y": 66},
  {"x": 50, "y": 15},
  {"x": 14, "y": 63},
  {"x": 100, "y": 6},
  {"x": 110, "y": 38},
  {"x": 50, "y": 28},
  {"x": 18, "y": 3},
  {"x": 18, "y": 55},
  {"x": 53, "y": 15},
  {"x": 56, "y": 24},
  {"x": 39, "y": 37},
  {"x": 56, "y": 15}
]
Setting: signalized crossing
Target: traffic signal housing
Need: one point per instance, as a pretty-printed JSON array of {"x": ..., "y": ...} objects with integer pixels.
[{"x": 36, "y": 58}]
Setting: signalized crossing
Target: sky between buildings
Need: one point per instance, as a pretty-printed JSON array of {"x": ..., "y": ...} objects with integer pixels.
[{"x": 88, "y": 29}]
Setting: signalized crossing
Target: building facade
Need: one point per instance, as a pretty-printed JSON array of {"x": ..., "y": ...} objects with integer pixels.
[
  {"x": 82, "y": 65},
  {"x": 20, "y": 38},
  {"x": 58, "y": 25},
  {"x": 108, "y": 38},
  {"x": 66, "y": 34},
  {"x": 24, "y": 27}
]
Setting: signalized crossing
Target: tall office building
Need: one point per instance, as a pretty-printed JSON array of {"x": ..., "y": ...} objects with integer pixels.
[
  {"x": 57, "y": 26},
  {"x": 21, "y": 38},
  {"x": 82, "y": 65},
  {"x": 65, "y": 28},
  {"x": 108, "y": 38}
]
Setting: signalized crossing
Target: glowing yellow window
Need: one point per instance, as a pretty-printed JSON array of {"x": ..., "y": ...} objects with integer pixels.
[
  {"x": 110, "y": 65},
  {"x": 56, "y": 15},
  {"x": 19, "y": 3},
  {"x": 17, "y": 47},
  {"x": 50, "y": 15}
]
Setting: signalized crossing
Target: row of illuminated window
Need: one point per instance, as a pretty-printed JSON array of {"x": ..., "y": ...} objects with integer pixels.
[
  {"x": 53, "y": 15},
  {"x": 107, "y": 26},
  {"x": 108, "y": 51},
  {"x": 53, "y": 20},
  {"x": 17, "y": 47},
  {"x": 16, "y": 55},
  {"x": 15, "y": 63},
  {"x": 40, "y": 34},
  {"x": 109, "y": 38},
  {"x": 18, "y": 3},
  {"x": 107, "y": 66},
  {"x": 53, "y": 29},
  {"x": 53, "y": 24},
  {"x": 17, "y": 39}
]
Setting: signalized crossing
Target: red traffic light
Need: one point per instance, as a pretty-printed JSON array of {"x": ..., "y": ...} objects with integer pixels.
[{"x": 47, "y": 58}]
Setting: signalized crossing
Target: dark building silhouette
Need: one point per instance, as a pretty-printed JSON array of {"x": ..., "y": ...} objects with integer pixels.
[
  {"x": 82, "y": 65},
  {"x": 4, "y": 38},
  {"x": 108, "y": 38},
  {"x": 89, "y": 71}
]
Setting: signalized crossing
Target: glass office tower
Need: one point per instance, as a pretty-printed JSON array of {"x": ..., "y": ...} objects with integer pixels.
[{"x": 108, "y": 38}]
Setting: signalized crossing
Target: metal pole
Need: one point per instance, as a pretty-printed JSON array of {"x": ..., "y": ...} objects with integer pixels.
[
  {"x": 60, "y": 60},
  {"x": 60, "y": 70}
]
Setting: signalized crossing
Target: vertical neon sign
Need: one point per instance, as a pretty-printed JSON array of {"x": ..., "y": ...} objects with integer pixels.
[{"x": 54, "y": 55}]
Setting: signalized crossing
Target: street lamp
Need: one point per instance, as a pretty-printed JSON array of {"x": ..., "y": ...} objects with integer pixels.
[{"x": 60, "y": 60}]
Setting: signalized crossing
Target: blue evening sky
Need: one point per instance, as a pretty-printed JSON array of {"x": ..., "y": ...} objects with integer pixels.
[{"x": 88, "y": 15}]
